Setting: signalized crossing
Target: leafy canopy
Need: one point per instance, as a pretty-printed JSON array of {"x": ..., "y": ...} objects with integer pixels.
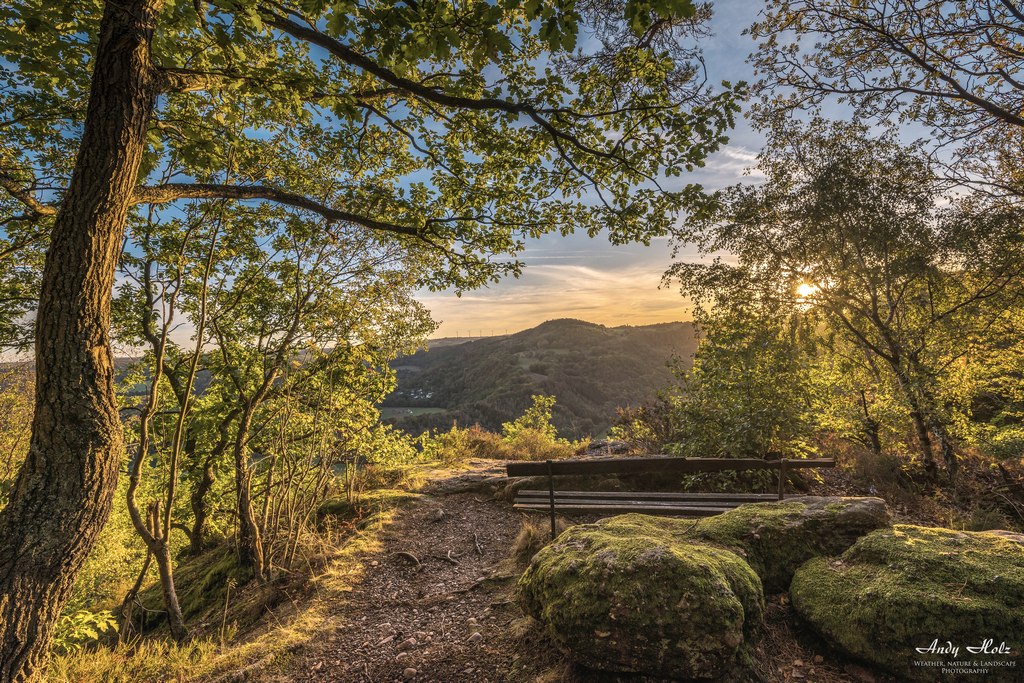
[{"x": 454, "y": 129}]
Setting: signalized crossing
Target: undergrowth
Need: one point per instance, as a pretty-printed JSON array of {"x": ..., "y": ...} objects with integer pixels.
[{"x": 238, "y": 623}]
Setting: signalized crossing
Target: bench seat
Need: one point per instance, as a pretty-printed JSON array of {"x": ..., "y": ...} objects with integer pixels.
[
  {"x": 621, "y": 502},
  {"x": 678, "y": 504}
]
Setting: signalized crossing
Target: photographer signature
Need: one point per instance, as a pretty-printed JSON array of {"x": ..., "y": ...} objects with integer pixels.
[{"x": 987, "y": 647}]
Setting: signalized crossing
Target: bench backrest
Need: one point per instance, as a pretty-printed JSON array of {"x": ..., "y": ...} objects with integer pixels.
[{"x": 657, "y": 463}]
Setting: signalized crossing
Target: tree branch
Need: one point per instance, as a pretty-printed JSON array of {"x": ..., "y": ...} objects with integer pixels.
[
  {"x": 23, "y": 195},
  {"x": 161, "y": 194},
  {"x": 188, "y": 80},
  {"x": 424, "y": 92}
]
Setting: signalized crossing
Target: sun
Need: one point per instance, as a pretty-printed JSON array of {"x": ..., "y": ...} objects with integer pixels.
[{"x": 805, "y": 290}]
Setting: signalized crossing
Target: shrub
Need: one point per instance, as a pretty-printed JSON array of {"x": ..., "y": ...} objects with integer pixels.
[
  {"x": 532, "y": 436},
  {"x": 537, "y": 418},
  {"x": 75, "y": 630}
]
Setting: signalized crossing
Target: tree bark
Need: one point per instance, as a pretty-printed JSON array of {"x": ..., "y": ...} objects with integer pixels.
[
  {"x": 63, "y": 493},
  {"x": 200, "y": 508},
  {"x": 924, "y": 442},
  {"x": 204, "y": 486},
  {"x": 250, "y": 545},
  {"x": 162, "y": 553}
]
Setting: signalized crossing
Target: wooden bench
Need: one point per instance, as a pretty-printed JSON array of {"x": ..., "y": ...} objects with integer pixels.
[{"x": 651, "y": 503}]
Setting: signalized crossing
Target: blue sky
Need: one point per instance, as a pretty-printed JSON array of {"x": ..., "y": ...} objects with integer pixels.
[{"x": 590, "y": 279}]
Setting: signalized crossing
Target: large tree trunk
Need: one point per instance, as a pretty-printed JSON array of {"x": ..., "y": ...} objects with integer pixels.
[{"x": 63, "y": 494}]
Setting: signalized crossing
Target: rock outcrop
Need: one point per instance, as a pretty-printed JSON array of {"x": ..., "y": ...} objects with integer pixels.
[
  {"x": 634, "y": 595},
  {"x": 681, "y": 598},
  {"x": 902, "y": 590},
  {"x": 776, "y": 538}
]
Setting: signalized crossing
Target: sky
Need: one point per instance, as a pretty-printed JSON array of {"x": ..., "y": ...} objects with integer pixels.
[{"x": 591, "y": 279}]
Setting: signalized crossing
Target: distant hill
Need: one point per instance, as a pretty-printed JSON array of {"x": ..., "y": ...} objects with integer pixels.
[{"x": 591, "y": 369}]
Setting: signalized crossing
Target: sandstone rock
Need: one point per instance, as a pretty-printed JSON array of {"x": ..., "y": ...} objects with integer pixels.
[
  {"x": 639, "y": 597},
  {"x": 776, "y": 538},
  {"x": 900, "y": 589}
]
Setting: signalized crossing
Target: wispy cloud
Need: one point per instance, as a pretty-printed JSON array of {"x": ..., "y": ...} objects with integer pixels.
[{"x": 625, "y": 296}]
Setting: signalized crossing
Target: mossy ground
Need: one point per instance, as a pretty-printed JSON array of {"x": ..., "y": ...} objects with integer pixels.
[{"x": 899, "y": 589}]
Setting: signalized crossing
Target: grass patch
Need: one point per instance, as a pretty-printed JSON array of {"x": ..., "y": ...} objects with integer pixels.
[
  {"x": 264, "y": 628},
  {"x": 532, "y": 537}
]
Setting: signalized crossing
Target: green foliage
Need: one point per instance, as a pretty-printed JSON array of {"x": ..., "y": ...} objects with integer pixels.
[
  {"x": 461, "y": 443},
  {"x": 150, "y": 660},
  {"x": 905, "y": 295},
  {"x": 531, "y": 436},
  {"x": 454, "y": 131},
  {"x": 112, "y": 565},
  {"x": 916, "y": 62},
  {"x": 537, "y": 418},
  {"x": 79, "y": 628},
  {"x": 531, "y": 444},
  {"x": 16, "y": 405},
  {"x": 747, "y": 394}
]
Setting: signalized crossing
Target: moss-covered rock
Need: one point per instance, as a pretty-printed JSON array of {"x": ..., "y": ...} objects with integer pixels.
[
  {"x": 776, "y": 538},
  {"x": 908, "y": 587},
  {"x": 635, "y": 596}
]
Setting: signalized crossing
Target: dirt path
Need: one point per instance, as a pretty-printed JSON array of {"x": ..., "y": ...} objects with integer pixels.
[{"x": 436, "y": 603}]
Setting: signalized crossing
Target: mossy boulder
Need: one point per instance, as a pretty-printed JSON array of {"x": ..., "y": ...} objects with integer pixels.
[
  {"x": 776, "y": 538},
  {"x": 900, "y": 589},
  {"x": 637, "y": 597}
]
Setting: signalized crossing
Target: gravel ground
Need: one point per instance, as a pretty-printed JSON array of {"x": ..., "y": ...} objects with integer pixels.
[{"x": 436, "y": 604}]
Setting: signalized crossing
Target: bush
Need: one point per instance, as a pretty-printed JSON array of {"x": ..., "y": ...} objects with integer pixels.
[
  {"x": 458, "y": 444},
  {"x": 530, "y": 444},
  {"x": 537, "y": 419},
  {"x": 532, "y": 436},
  {"x": 77, "y": 629}
]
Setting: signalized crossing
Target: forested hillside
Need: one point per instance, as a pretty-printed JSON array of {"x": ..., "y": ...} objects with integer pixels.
[{"x": 591, "y": 369}]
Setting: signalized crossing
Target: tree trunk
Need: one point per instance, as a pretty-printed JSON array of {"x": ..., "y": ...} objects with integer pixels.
[
  {"x": 63, "y": 493},
  {"x": 946, "y": 447},
  {"x": 917, "y": 415},
  {"x": 250, "y": 545},
  {"x": 203, "y": 488},
  {"x": 200, "y": 509},
  {"x": 126, "y": 631},
  {"x": 924, "y": 442},
  {"x": 870, "y": 425},
  {"x": 175, "y": 619}
]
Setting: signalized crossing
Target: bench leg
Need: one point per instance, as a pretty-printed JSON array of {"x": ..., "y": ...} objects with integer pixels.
[
  {"x": 551, "y": 498},
  {"x": 782, "y": 478}
]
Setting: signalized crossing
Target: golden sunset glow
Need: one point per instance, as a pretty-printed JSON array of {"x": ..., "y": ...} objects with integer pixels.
[{"x": 805, "y": 290}]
